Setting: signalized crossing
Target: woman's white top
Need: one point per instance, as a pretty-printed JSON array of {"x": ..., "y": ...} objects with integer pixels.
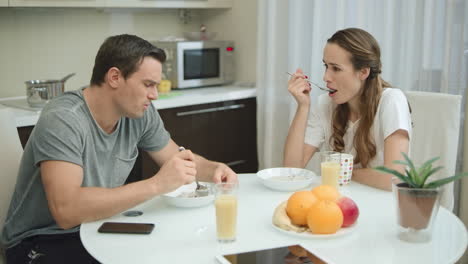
[{"x": 392, "y": 115}]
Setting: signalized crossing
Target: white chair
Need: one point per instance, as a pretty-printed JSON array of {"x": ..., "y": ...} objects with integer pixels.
[
  {"x": 10, "y": 156},
  {"x": 436, "y": 128}
]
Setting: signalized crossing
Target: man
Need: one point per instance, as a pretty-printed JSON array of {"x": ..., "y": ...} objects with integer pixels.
[{"x": 82, "y": 150}]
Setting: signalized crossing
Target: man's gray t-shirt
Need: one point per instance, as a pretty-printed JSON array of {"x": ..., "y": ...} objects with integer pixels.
[{"x": 66, "y": 131}]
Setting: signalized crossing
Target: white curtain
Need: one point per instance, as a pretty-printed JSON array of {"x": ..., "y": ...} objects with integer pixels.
[
  {"x": 272, "y": 95},
  {"x": 422, "y": 43}
]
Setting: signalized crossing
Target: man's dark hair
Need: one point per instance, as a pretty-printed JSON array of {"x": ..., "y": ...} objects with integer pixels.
[{"x": 126, "y": 52}]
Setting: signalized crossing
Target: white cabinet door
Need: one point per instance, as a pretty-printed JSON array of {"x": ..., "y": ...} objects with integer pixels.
[
  {"x": 121, "y": 3},
  {"x": 57, "y": 3},
  {"x": 170, "y": 3}
]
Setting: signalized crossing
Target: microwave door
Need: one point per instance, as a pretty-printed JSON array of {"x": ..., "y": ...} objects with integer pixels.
[{"x": 200, "y": 64}]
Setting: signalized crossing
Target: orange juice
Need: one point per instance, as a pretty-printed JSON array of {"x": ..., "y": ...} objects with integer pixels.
[
  {"x": 330, "y": 173},
  {"x": 226, "y": 216}
]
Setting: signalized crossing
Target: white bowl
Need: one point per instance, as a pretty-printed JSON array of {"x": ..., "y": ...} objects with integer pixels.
[
  {"x": 287, "y": 179},
  {"x": 174, "y": 198}
]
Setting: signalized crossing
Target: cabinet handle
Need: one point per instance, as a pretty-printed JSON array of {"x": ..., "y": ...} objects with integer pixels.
[
  {"x": 209, "y": 110},
  {"x": 236, "y": 162}
]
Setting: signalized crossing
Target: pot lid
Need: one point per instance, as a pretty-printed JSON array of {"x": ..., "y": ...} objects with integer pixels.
[
  {"x": 42, "y": 81},
  {"x": 50, "y": 81}
]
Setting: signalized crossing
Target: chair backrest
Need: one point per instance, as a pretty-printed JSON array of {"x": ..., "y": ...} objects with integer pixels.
[
  {"x": 10, "y": 156},
  {"x": 436, "y": 128}
]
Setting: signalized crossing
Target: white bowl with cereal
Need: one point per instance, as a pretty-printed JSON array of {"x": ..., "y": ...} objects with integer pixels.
[
  {"x": 185, "y": 196},
  {"x": 287, "y": 179}
]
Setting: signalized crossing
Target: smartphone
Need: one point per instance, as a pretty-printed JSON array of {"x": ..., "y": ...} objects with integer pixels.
[
  {"x": 280, "y": 255},
  {"x": 126, "y": 228}
]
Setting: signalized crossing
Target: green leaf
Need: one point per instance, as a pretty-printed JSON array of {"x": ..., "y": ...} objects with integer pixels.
[
  {"x": 400, "y": 162},
  {"x": 413, "y": 173},
  {"x": 429, "y": 162},
  {"x": 400, "y": 176},
  {"x": 423, "y": 171},
  {"x": 426, "y": 170},
  {"x": 434, "y": 170},
  {"x": 410, "y": 180},
  {"x": 437, "y": 183},
  {"x": 408, "y": 160}
]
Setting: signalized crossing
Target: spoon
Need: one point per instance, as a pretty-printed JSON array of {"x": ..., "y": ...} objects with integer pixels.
[
  {"x": 201, "y": 190},
  {"x": 320, "y": 87}
]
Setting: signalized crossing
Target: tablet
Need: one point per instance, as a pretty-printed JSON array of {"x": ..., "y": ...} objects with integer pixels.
[{"x": 294, "y": 254}]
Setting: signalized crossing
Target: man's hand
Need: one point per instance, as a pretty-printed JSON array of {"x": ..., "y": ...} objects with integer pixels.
[
  {"x": 223, "y": 173},
  {"x": 177, "y": 171}
]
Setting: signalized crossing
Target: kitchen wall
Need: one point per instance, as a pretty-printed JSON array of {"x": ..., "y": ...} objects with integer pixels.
[
  {"x": 49, "y": 43},
  {"x": 239, "y": 24}
]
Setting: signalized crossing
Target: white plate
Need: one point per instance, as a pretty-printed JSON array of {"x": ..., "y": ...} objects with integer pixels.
[
  {"x": 306, "y": 178},
  {"x": 342, "y": 232},
  {"x": 173, "y": 198}
]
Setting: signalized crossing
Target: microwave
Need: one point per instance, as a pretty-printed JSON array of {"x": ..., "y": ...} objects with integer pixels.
[{"x": 198, "y": 63}]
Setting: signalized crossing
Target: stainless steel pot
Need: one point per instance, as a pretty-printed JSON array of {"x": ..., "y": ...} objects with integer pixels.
[{"x": 39, "y": 92}]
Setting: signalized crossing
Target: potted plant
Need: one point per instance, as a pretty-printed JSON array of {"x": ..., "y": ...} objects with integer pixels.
[{"x": 417, "y": 197}]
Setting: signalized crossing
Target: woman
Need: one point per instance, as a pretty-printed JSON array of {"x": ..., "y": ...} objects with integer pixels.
[{"x": 362, "y": 116}]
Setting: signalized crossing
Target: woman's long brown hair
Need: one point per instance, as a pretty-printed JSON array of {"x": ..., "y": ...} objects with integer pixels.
[{"x": 365, "y": 53}]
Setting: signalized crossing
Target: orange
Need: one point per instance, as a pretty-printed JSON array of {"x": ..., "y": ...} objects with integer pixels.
[
  {"x": 326, "y": 192},
  {"x": 324, "y": 217},
  {"x": 298, "y": 205}
]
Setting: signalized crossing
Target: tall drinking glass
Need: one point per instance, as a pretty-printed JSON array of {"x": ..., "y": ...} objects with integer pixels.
[
  {"x": 330, "y": 168},
  {"x": 226, "y": 211}
]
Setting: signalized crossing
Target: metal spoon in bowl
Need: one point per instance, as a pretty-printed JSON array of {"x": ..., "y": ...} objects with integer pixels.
[{"x": 201, "y": 189}]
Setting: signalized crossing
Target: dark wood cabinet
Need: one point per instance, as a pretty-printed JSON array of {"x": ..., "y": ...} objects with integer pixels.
[
  {"x": 223, "y": 131},
  {"x": 24, "y": 133}
]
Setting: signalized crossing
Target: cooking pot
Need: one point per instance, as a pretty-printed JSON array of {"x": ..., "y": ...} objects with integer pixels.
[{"x": 39, "y": 92}]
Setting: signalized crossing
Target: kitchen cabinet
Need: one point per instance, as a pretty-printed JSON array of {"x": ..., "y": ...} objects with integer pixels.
[
  {"x": 24, "y": 133},
  {"x": 122, "y": 3},
  {"x": 222, "y": 131},
  {"x": 57, "y": 3},
  {"x": 169, "y": 3}
]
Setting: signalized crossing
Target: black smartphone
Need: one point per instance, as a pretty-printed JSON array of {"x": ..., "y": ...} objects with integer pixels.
[{"x": 126, "y": 228}]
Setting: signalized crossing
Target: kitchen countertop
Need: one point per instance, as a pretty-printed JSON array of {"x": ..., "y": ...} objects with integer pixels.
[{"x": 177, "y": 98}]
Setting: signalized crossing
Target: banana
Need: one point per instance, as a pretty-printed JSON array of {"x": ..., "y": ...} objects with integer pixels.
[{"x": 281, "y": 219}]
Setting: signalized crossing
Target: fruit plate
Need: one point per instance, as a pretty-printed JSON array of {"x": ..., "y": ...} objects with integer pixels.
[{"x": 342, "y": 232}]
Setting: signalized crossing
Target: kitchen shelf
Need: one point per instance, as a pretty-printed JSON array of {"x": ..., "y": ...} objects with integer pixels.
[
  {"x": 183, "y": 97},
  {"x": 120, "y": 3}
]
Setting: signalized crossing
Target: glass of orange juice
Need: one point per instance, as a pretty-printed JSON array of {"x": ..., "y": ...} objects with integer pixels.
[
  {"x": 330, "y": 168},
  {"x": 226, "y": 211}
]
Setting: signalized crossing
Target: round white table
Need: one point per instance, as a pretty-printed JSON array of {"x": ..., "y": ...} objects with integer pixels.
[{"x": 188, "y": 235}]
